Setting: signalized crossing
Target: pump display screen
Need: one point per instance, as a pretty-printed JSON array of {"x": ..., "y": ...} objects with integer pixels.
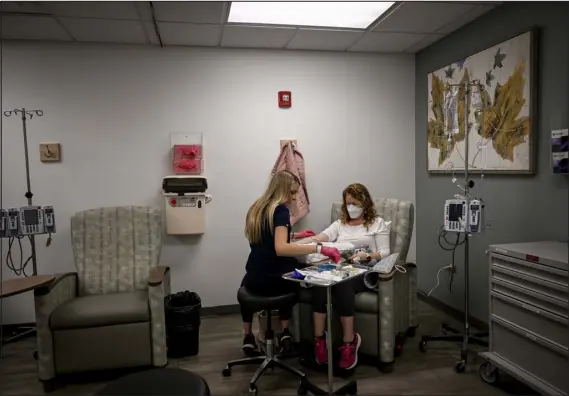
[
  {"x": 31, "y": 217},
  {"x": 454, "y": 212},
  {"x": 475, "y": 207}
]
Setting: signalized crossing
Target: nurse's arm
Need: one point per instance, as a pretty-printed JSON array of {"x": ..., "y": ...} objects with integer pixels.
[{"x": 286, "y": 249}]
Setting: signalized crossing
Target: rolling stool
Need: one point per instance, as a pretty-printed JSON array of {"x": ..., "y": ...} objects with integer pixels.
[
  {"x": 270, "y": 360},
  {"x": 159, "y": 382}
]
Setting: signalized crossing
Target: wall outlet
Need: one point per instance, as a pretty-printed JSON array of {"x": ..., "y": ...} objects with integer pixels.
[{"x": 50, "y": 152}]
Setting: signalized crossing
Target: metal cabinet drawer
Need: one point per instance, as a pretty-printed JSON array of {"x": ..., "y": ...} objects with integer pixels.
[
  {"x": 548, "y": 289},
  {"x": 527, "y": 351},
  {"x": 556, "y": 277},
  {"x": 549, "y": 326},
  {"x": 531, "y": 297}
]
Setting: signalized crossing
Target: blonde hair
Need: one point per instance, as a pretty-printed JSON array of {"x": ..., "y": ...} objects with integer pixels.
[
  {"x": 360, "y": 193},
  {"x": 262, "y": 211}
]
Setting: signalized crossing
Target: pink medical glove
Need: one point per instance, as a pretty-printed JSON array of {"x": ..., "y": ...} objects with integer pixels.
[
  {"x": 304, "y": 234},
  {"x": 331, "y": 252}
]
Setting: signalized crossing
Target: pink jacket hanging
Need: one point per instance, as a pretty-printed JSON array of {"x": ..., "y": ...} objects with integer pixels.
[{"x": 291, "y": 160}]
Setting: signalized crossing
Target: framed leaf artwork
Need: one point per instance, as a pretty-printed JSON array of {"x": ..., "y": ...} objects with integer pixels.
[{"x": 501, "y": 134}]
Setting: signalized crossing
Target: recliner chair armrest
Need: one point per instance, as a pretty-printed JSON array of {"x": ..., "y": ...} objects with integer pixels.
[
  {"x": 390, "y": 275},
  {"x": 57, "y": 283},
  {"x": 47, "y": 298},
  {"x": 158, "y": 288},
  {"x": 157, "y": 275}
]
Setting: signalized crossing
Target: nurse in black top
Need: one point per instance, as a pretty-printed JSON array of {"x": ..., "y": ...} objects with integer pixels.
[{"x": 268, "y": 230}]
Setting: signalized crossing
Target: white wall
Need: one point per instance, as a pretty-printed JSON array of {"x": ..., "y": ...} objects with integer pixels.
[{"x": 113, "y": 108}]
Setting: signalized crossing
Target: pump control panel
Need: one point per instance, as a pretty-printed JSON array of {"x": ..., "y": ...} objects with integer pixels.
[
  {"x": 31, "y": 220},
  {"x": 3, "y": 223},
  {"x": 13, "y": 222},
  {"x": 27, "y": 220},
  {"x": 48, "y": 219}
]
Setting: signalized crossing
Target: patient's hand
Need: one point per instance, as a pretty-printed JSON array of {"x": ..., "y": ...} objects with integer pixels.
[{"x": 360, "y": 256}]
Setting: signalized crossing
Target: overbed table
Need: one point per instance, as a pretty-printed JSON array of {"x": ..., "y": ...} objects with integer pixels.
[
  {"x": 351, "y": 387},
  {"x": 12, "y": 287}
]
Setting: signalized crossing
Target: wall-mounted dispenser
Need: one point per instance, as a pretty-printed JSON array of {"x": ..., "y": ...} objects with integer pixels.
[
  {"x": 560, "y": 151},
  {"x": 185, "y": 202}
]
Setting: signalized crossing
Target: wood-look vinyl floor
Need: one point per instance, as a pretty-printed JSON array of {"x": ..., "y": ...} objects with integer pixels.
[{"x": 415, "y": 373}]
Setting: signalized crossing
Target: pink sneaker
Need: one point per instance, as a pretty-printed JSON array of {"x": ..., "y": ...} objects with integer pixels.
[
  {"x": 349, "y": 353},
  {"x": 321, "y": 350}
]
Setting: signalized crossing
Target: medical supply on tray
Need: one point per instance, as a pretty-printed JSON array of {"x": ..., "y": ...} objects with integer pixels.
[{"x": 326, "y": 273}]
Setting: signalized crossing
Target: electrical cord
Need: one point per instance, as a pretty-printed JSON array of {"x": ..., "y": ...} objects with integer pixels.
[
  {"x": 21, "y": 268},
  {"x": 449, "y": 247}
]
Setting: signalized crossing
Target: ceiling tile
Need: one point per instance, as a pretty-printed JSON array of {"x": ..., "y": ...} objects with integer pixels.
[
  {"x": 189, "y": 34},
  {"x": 150, "y": 33},
  {"x": 386, "y": 42},
  {"x": 321, "y": 39},
  {"x": 189, "y": 11},
  {"x": 15, "y": 27},
  {"x": 92, "y": 9},
  {"x": 256, "y": 36},
  {"x": 461, "y": 21},
  {"x": 24, "y": 7},
  {"x": 422, "y": 16},
  {"x": 105, "y": 30},
  {"x": 144, "y": 10},
  {"x": 424, "y": 43}
]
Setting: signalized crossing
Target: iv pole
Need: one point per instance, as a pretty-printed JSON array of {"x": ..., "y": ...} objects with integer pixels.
[
  {"x": 455, "y": 336},
  {"x": 27, "y": 113}
]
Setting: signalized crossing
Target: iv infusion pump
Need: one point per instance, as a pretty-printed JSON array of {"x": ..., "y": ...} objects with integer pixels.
[
  {"x": 463, "y": 216},
  {"x": 27, "y": 220}
]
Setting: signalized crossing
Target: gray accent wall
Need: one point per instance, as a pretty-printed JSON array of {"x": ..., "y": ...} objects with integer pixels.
[{"x": 520, "y": 208}]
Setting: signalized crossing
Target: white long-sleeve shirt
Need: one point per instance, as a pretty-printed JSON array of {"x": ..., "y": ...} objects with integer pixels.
[{"x": 376, "y": 236}]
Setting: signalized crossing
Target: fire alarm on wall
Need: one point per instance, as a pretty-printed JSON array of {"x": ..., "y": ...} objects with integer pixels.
[{"x": 285, "y": 99}]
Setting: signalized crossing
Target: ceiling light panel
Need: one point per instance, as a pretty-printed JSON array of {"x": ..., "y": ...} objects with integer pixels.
[{"x": 355, "y": 15}]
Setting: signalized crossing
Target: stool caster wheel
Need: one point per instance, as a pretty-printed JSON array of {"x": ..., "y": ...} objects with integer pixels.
[
  {"x": 301, "y": 391},
  {"x": 460, "y": 366},
  {"x": 252, "y": 389},
  {"x": 423, "y": 346},
  {"x": 35, "y": 355},
  {"x": 226, "y": 372}
]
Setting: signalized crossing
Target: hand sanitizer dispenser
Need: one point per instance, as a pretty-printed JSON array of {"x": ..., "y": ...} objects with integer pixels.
[{"x": 185, "y": 201}]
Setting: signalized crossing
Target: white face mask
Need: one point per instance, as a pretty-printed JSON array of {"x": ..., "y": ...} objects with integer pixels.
[{"x": 354, "y": 211}]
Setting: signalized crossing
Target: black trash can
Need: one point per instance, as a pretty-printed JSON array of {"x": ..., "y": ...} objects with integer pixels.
[{"x": 182, "y": 311}]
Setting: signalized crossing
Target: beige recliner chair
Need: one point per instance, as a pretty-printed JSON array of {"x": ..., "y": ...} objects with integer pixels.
[
  {"x": 384, "y": 316},
  {"x": 110, "y": 313}
]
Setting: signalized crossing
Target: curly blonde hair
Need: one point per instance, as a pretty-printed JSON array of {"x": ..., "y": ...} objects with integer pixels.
[{"x": 361, "y": 193}]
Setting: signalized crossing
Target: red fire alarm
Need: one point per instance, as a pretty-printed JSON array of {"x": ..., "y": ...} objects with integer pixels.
[{"x": 285, "y": 99}]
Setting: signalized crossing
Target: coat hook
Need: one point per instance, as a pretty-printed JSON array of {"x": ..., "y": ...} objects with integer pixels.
[{"x": 284, "y": 142}]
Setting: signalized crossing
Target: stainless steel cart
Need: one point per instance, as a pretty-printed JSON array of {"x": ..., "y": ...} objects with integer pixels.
[{"x": 351, "y": 387}]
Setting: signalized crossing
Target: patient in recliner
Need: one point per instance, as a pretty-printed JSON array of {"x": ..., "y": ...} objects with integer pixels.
[{"x": 358, "y": 225}]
